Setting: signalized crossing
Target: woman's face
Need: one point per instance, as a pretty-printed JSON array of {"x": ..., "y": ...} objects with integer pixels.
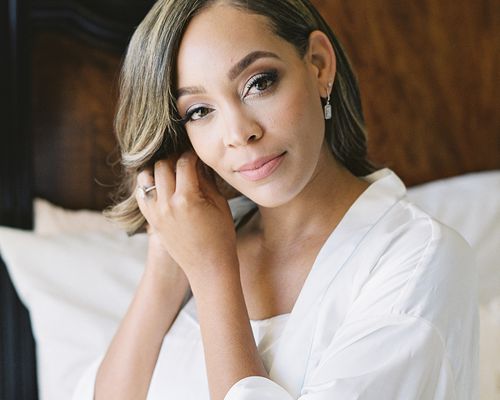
[{"x": 251, "y": 105}]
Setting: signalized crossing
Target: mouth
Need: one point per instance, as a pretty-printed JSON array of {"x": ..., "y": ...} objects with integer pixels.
[{"x": 261, "y": 168}]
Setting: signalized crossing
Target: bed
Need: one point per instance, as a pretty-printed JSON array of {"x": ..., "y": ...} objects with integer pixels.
[{"x": 427, "y": 72}]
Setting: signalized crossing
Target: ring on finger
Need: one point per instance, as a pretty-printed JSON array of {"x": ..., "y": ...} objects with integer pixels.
[{"x": 145, "y": 190}]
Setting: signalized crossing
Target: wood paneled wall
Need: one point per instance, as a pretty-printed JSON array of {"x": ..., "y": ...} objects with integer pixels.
[
  {"x": 75, "y": 87},
  {"x": 428, "y": 72},
  {"x": 429, "y": 77}
]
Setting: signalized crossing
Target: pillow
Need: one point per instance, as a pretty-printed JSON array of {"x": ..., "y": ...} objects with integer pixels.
[
  {"x": 471, "y": 205},
  {"x": 49, "y": 219},
  {"x": 489, "y": 368},
  {"x": 77, "y": 287}
]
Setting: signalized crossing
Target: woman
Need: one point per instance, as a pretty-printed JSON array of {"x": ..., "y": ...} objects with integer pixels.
[{"x": 333, "y": 286}]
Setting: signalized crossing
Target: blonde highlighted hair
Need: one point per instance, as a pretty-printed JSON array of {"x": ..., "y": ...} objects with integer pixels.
[{"x": 147, "y": 123}]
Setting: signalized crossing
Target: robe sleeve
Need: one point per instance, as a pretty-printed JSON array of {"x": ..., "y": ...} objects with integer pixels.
[{"x": 410, "y": 363}]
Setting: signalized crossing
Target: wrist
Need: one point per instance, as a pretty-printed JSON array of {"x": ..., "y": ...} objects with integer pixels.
[
  {"x": 165, "y": 271},
  {"x": 164, "y": 277},
  {"x": 216, "y": 275},
  {"x": 164, "y": 289},
  {"x": 159, "y": 260}
]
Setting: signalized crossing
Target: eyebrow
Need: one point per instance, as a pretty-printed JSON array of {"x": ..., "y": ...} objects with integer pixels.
[
  {"x": 246, "y": 61},
  {"x": 233, "y": 73}
]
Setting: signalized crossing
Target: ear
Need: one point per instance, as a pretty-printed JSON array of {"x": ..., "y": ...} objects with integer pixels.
[{"x": 321, "y": 57}]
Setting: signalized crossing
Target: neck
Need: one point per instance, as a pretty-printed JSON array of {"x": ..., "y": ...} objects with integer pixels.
[{"x": 317, "y": 210}]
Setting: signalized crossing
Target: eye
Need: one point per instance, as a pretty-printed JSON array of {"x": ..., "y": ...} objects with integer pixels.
[
  {"x": 260, "y": 83},
  {"x": 196, "y": 113}
]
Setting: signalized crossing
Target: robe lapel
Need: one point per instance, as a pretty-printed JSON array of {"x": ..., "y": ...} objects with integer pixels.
[{"x": 292, "y": 357}]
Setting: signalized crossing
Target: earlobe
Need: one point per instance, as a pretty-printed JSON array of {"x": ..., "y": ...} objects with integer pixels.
[{"x": 323, "y": 60}]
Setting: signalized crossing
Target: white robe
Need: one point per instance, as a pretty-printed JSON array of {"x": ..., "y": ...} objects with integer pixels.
[{"x": 388, "y": 311}]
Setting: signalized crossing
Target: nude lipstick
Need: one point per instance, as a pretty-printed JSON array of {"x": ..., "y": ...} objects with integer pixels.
[{"x": 261, "y": 168}]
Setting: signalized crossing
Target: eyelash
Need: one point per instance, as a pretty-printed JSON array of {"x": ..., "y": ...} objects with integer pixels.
[{"x": 269, "y": 77}]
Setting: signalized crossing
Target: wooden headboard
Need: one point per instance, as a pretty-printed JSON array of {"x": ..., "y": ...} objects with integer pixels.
[{"x": 428, "y": 73}]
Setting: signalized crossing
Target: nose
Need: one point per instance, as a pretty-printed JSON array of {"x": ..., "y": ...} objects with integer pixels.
[{"x": 241, "y": 128}]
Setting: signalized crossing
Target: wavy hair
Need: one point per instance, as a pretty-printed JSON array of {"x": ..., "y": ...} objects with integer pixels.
[{"x": 147, "y": 123}]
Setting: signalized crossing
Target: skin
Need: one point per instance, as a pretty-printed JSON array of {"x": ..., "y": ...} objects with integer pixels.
[{"x": 258, "y": 271}]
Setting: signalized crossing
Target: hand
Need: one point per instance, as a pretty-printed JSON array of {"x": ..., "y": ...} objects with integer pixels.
[
  {"x": 158, "y": 259},
  {"x": 189, "y": 216}
]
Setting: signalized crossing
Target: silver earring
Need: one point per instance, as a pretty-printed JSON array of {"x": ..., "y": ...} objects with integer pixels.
[{"x": 328, "y": 106}]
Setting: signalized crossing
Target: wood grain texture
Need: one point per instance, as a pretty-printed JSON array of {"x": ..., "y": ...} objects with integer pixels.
[
  {"x": 74, "y": 98},
  {"x": 429, "y": 77}
]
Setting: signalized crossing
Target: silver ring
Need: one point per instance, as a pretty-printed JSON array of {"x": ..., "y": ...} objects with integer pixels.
[{"x": 144, "y": 190}]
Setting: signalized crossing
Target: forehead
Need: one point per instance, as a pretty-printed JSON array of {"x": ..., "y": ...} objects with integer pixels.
[{"x": 220, "y": 36}]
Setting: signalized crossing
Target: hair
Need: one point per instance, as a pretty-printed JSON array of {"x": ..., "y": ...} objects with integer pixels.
[{"x": 147, "y": 123}]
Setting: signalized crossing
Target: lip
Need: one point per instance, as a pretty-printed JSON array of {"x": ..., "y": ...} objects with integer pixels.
[{"x": 261, "y": 168}]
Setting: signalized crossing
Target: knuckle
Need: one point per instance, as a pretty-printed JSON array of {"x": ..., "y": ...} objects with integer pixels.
[
  {"x": 145, "y": 178},
  {"x": 160, "y": 165},
  {"x": 164, "y": 209},
  {"x": 140, "y": 177},
  {"x": 182, "y": 162},
  {"x": 161, "y": 162},
  {"x": 147, "y": 171},
  {"x": 181, "y": 201}
]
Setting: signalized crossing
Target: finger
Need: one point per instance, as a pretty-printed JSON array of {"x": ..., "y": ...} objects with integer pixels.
[
  {"x": 165, "y": 179},
  {"x": 144, "y": 179},
  {"x": 206, "y": 177},
  {"x": 186, "y": 174}
]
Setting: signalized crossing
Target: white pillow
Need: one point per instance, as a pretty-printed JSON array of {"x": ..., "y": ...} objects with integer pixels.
[
  {"x": 490, "y": 350},
  {"x": 50, "y": 219},
  {"x": 77, "y": 287},
  {"x": 471, "y": 205}
]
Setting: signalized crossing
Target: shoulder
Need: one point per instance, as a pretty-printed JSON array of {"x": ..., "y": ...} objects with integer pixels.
[
  {"x": 411, "y": 279},
  {"x": 415, "y": 238},
  {"x": 441, "y": 289},
  {"x": 425, "y": 270},
  {"x": 436, "y": 252},
  {"x": 418, "y": 266}
]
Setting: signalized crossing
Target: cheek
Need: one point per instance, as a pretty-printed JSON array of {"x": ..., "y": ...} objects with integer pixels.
[
  {"x": 207, "y": 149},
  {"x": 300, "y": 114},
  {"x": 201, "y": 146}
]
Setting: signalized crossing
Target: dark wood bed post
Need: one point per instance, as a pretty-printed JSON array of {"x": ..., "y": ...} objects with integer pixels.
[
  {"x": 21, "y": 23},
  {"x": 17, "y": 348},
  {"x": 15, "y": 147}
]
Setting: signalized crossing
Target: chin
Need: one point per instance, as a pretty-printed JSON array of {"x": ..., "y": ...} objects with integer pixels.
[
  {"x": 280, "y": 188},
  {"x": 270, "y": 197}
]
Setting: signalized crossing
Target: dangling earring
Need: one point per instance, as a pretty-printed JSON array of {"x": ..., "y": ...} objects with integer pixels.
[{"x": 328, "y": 106}]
